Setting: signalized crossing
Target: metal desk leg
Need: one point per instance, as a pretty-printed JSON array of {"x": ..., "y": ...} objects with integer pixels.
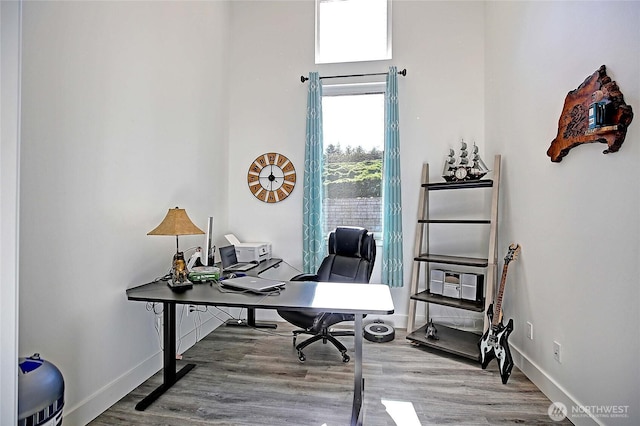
[
  {"x": 358, "y": 381},
  {"x": 170, "y": 376}
]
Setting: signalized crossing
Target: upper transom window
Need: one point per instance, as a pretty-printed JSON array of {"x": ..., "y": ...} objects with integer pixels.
[{"x": 353, "y": 30}]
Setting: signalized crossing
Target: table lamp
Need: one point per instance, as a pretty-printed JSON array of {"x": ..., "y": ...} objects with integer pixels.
[{"x": 177, "y": 222}]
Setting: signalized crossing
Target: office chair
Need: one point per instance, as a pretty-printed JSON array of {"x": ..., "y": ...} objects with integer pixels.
[{"x": 352, "y": 253}]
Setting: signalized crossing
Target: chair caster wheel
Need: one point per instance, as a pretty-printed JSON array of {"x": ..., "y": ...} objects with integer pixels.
[
  {"x": 301, "y": 356},
  {"x": 345, "y": 358}
]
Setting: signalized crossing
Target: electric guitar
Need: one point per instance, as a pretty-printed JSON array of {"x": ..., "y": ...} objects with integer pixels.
[{"x": 494, "y": 343}]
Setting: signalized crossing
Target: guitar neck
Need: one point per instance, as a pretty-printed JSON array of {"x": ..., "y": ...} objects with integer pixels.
[
  {"x": 497, "y": 317},
  {"x": 514, "y": 250}
]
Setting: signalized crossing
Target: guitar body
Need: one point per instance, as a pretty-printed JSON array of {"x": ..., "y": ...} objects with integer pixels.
[{"x": 495, "y": 344}]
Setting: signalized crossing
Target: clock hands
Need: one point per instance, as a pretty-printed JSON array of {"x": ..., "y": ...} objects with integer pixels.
[{"x": 273, "y": 179}]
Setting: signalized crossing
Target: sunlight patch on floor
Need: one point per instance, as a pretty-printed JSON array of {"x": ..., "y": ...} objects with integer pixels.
[{"x": 402, "y": 412}]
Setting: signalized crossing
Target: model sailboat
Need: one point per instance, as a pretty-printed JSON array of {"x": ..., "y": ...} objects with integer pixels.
[{"x": 461, "y": 169}]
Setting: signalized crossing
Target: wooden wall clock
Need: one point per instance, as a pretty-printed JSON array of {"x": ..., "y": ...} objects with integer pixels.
[{"x": 271, "y": 177}]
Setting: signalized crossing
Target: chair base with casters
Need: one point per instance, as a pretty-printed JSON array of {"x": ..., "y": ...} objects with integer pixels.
[
  {"x": 352, "y": 253},
  {"x": 324, "y": 333}
]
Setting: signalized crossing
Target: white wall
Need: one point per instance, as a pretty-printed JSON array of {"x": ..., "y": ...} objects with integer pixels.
[
  {"x": 124, "y": 116},
  {"x": 441, "y": 101},
  {"x": 126, "y": 105},
  {"x": 577, "y": 279},
  {"x": 10, "y": 17}
]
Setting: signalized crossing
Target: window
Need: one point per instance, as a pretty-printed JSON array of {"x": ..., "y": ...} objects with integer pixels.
[
  {"x": 353, "y": 30},
  {"x": 353, "y": 127}
]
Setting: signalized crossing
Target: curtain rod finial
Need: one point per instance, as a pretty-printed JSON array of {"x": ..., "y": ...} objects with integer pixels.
[
  {"x": 303, "y": 78},
  {"x": 403, "y": 72}
]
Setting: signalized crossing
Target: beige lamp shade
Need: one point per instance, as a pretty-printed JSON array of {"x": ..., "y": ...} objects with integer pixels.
[{"x": 176, "y": 222}]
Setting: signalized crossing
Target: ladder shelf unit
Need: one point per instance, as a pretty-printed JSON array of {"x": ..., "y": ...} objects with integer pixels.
[{"x": 452, "y": 340}]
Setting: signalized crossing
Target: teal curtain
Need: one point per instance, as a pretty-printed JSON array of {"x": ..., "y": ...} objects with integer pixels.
[
  {"x": 392, "y": 266},
  {"x": 313, "y": 243}
]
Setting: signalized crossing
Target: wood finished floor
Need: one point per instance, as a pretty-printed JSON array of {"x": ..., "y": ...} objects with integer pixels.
[{"x": 249, "y": 377}]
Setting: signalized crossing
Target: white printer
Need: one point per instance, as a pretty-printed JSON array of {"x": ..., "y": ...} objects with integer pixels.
[{"x": 250, "y": 252}]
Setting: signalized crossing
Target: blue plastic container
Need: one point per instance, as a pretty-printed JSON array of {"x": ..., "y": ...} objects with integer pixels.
[{"x": 40, "y": 392}]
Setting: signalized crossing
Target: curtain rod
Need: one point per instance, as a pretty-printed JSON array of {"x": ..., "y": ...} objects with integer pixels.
[{"x": 402, "y": 73}]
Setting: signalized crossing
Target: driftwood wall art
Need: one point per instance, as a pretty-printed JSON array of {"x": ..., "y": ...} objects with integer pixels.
[{"x": 594, "y": 112}]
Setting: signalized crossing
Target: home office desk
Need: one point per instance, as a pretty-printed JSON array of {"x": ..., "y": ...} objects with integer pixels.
[{"x": 358, "y": 299}]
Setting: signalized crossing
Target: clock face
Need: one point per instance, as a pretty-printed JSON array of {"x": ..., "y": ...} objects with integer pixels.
[
  {"x": 271, "y": 177},
  {"x": 461, "y": 173}
]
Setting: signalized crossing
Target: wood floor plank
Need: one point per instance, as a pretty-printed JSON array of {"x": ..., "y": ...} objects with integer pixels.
[{"x": 253, "y": 377}]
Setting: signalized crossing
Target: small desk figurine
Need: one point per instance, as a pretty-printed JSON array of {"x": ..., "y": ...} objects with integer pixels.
[{"x": 179, "y": 272}]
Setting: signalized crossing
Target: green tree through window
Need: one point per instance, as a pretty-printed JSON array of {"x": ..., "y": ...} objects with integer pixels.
[
  {"x": 353, "y": 140},
  {"x": 354, "y": 173}
]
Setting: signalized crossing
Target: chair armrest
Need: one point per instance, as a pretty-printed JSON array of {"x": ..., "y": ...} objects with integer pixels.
[{"x": 305, "y": 277}]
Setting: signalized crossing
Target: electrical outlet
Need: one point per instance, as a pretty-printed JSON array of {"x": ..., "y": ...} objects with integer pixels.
[
  {"x": 529, "y": 330},
  {"x": 556, "y": 351}
]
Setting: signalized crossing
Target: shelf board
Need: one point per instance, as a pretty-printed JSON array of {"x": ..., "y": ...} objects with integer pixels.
[
  {"x": 602, "y": 130},
  {"x": 454, "y": 221},
  {"x": 457, "y": 342},
  {"x": 453, "y": 260},
  {"x": 482, "y": 183},
  {"x": 468, "y": 305}
]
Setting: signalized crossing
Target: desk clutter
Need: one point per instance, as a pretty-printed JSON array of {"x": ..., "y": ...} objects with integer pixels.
[
  {"x": 238, "y": 282},
  {"x": 204, "y": 273}
]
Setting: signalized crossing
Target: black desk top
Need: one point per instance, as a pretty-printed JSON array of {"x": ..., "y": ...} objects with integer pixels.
[
  {"x": 323, "y": 297},
  {"x": 262, "y": 266}
]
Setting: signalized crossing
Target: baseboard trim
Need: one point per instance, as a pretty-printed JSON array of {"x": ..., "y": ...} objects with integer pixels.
[
  {"x": 91, "y": 407},
  {"x": 550, "y": 387}
]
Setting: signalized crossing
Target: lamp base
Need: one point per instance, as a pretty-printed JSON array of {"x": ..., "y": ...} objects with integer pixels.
[{"x": 179, "y": 286}]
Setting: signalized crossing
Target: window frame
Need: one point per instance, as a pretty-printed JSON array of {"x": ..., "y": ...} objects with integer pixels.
[{"x": 388, "y": 55}]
